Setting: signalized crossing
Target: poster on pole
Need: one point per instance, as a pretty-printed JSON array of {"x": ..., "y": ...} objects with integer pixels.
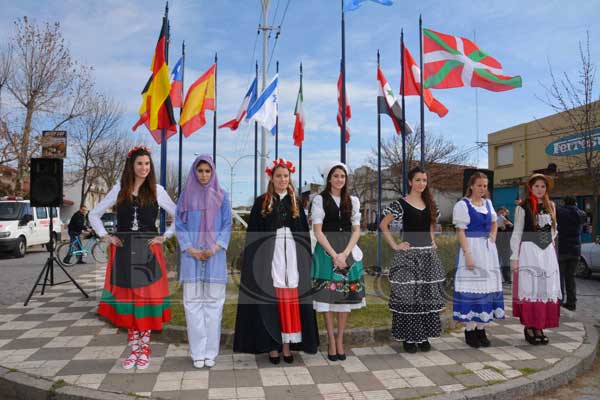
[{"x": 54, "y": 144}]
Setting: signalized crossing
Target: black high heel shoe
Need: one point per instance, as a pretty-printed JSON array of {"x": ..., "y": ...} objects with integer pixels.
[
  {"x": 531, "y": 339},
  {"x": 288, "y": 359},
  {"x": 274, "y": 360},
  {"x": 332, "y": 357},
  {"x": 541, "y": 338}
]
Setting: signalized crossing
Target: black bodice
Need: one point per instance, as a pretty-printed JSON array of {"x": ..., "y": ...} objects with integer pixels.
[
  {"x": 532, "y": 232},
  {"x": 127, "y": 212},
  {"x": 417, "y": 225},
  {"x": 335, "y": 220}
]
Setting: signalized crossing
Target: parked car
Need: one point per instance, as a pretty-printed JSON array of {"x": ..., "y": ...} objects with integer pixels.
[
  {"x": 589, "y": 262},
  {"x": 109, "y": 220},
  {"x": 22, "y": 226}
]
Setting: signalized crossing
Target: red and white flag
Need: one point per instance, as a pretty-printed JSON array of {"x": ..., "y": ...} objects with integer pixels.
[
  {"x": 249, "y": 99},
  {"x": 340, "y": 108},
  {"x": 412, "y": 85}
]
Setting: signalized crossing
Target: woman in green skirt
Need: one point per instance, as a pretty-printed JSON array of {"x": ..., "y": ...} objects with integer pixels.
[{"x": 337, "y": 268}]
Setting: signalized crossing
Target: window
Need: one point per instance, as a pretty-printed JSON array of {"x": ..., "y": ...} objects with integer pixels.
[
  {"x": 504, "y": 155},
  {"x": 41, "y": 212}
]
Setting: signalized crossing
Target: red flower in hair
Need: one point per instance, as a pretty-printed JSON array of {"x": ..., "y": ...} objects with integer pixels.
[
  {"x": 281, "y": 163},
  {"x": 137, "y": 148}
]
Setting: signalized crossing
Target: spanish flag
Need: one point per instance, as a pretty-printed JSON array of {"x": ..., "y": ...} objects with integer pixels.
[
  {"x": 156, "y": 110},
  {"x": 200, "y": 97}
]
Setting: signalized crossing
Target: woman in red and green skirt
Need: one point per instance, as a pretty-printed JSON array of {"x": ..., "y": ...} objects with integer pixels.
[{"x": 136, "y": 291}]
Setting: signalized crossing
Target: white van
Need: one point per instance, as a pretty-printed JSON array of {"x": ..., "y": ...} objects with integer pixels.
[{"x": 22, "y": 226}]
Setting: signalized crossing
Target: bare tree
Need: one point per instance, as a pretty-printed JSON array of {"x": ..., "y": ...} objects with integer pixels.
[
  {"x": 575, "y": 102},
  {"x": 44, "y": 81},
  {"x": 98, "y": 125},
  {"x": 438, "y": 150},
  {"x": 172, "y": 181}
]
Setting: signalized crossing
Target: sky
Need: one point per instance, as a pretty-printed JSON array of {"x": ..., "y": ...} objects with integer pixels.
[{"x": 117, "y": 39}]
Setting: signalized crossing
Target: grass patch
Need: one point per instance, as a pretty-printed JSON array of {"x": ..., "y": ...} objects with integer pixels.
[
  {"x": 375, "y": 315},
  {"x": 459, "y": 373},
  {"x": 527, "y": 371},
  {"x": 494, "y": 382},
  {"x": 12, "y": 370}
]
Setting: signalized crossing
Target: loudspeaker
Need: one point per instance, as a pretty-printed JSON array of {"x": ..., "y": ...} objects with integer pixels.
[
  {"x": 470, "y": 171},
  {"x": 46, "y": 182}
]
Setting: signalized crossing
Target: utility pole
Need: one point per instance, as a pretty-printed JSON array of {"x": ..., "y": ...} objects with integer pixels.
[{"x": 263, "y": 145}]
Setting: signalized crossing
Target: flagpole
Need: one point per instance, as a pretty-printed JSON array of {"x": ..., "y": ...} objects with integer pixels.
[
  {"x": 378, "y": 219},
  {"x": 277, "y": 121},
  {"x": 422, "y": 88},
  {"x": 403, "y": 126},
  {"x": 300, "y": 149},
  {"x": 256, "y": 147},
  {"x": 163, "y": 132},
  {"x": 343, "y": 94},
  {"x": 215, "y": 117},
  {"x": 180, "y": 129}
]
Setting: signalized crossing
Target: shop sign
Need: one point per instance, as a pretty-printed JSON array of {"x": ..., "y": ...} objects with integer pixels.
[{"x": 575, "y": 144}]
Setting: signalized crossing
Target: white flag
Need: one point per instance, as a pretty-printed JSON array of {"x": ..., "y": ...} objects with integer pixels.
[{"x": 264, "y": 109}]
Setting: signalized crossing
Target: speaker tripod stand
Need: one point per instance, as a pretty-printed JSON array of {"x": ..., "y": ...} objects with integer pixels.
[{"x": 48, "y": 270}]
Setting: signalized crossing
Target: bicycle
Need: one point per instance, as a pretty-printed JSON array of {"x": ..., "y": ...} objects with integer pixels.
[{"x": 68, "y": 253}]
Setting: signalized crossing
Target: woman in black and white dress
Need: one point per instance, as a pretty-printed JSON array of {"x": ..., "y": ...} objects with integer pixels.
[{"x": 416, "y": 274}]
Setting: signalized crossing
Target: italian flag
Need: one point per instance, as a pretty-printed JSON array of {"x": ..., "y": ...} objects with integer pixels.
[
  {"x": 300, "y": 123},
  {"x": 452, "y": 61}
]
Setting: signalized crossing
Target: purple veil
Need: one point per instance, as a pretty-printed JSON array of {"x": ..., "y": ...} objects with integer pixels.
[{"x": 205, "y": 198}]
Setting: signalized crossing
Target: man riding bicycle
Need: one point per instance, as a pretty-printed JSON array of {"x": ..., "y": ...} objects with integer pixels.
[{"x": 77, "y": 225}]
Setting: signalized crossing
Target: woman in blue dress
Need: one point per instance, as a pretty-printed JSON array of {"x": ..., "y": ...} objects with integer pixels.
[{"x": 203, "y": 228}]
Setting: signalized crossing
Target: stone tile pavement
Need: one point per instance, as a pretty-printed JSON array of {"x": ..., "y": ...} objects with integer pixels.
[{"x": 59, "y": 336}]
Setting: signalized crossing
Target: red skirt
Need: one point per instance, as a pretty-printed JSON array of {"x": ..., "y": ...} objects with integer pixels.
[
  {"x": 143, "y": 308},
  {"x": 534, "y": 314},
  {"x": 289, "y": 315}
]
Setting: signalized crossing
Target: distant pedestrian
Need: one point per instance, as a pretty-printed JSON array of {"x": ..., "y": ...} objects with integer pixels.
[
  {"x": 505, "y": 228},
  {"x": 571, "y": 221},
  {"x": 77, "y": 225}
]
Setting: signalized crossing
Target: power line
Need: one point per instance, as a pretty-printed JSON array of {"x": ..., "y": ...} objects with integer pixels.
[{"x": 278, "y": 31}]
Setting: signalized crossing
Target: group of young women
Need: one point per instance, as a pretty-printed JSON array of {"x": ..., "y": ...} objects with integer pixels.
[{"x": 284, "y": 283}]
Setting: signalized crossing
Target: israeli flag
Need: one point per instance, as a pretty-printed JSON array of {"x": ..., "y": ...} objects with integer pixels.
[{"x": 264, "y": 110}]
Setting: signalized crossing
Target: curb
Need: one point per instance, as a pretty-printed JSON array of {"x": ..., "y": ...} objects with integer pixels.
[
  {"x": 20, "y": 386},
  {"x": 560, "y": 374}
]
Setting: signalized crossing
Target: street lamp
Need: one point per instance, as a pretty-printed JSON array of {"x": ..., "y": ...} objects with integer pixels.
[{"x": 231, "y": 169}]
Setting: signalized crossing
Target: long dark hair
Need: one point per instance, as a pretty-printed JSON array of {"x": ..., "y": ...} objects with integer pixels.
[
  {"x": 345, "y": 201},
  {"x": 426, "y": 195},
  {"x": 147, "y": 192}
]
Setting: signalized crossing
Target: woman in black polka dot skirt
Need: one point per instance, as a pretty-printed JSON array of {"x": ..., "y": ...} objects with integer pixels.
[{"x": 416, "y": 274}]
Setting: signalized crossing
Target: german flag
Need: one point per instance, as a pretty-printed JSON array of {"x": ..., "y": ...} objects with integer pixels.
[{"x": 156, "y": 110}]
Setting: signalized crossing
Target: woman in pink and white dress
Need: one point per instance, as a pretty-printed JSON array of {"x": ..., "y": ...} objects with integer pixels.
[{"x": 536, "y": 290}]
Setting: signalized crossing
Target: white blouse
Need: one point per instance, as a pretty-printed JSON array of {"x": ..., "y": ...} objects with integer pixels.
[
  {"x": 164, "y": 201},
  {"x": 318, "y": 213},
  {"x": 460, "y": 214}
]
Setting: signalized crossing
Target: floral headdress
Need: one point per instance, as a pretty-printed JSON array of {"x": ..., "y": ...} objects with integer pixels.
[
  {"x": 281, "y": 162},
  {"x": 138, "y": 148}
]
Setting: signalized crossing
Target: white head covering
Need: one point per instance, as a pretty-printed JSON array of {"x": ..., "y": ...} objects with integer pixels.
[{"x": 331, "y": 166}]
